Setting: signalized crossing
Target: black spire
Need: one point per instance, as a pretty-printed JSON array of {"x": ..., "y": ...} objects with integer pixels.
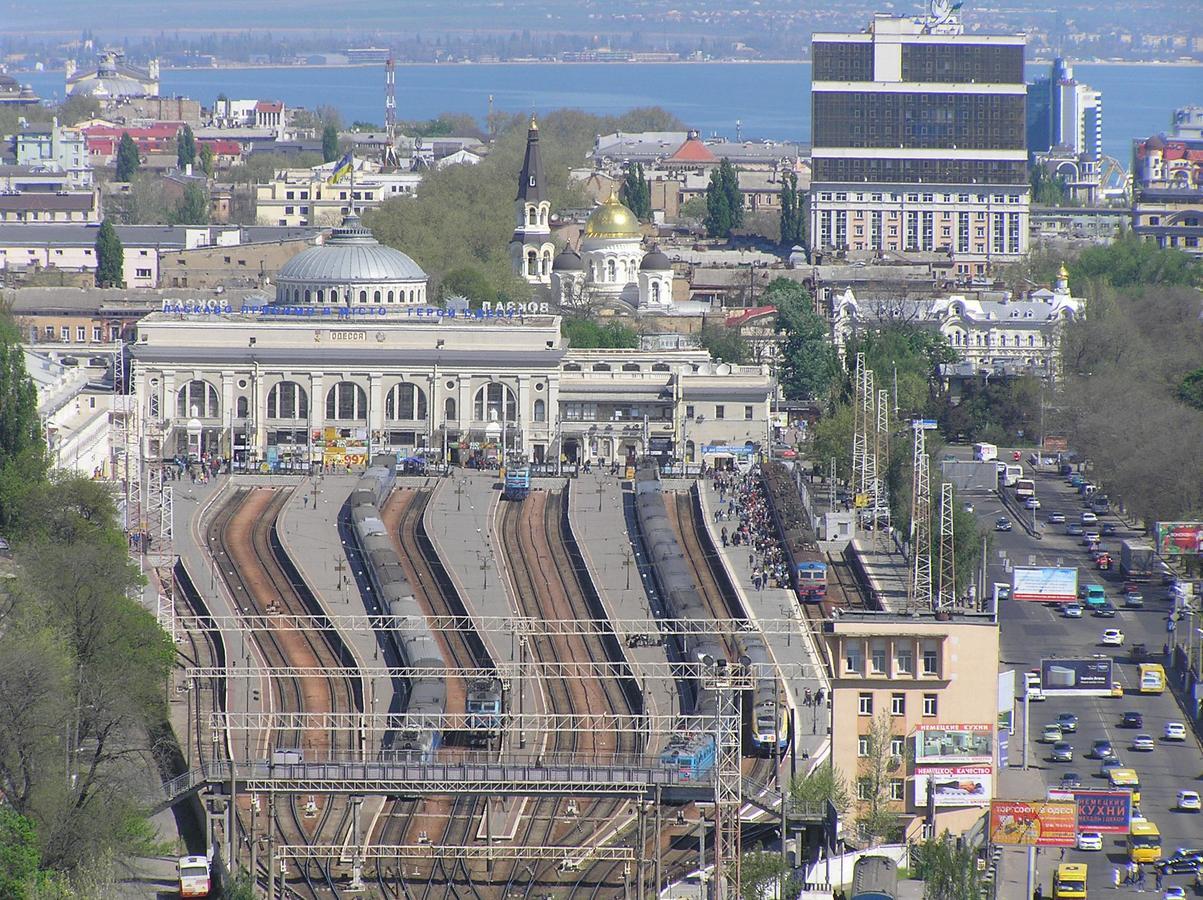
[{"x": 530, "y": 183}]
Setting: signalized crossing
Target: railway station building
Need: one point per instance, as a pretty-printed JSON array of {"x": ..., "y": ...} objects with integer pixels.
[{"x": 350, "y": 358}]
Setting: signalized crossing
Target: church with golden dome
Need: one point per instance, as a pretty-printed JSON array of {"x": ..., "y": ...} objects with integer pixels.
[{"x": 612, "y": 264}]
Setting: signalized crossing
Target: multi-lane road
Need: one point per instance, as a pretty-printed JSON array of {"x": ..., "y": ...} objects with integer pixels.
[{"x": 1033, "y": 631}]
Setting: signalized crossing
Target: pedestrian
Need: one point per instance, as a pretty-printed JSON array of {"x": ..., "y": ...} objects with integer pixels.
[
  {"x": 1160, "y": 879},
  {"x": 306, "y": 500},
  {"x": 1115, "y": 877},
  {"x": 807, "y": 697}
]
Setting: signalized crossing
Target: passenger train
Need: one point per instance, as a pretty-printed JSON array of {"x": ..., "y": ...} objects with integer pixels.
[
  {"x": 807, "y": 565},
  {"x": 768, "y": 713},
  {"x": 414, "y": 646}
]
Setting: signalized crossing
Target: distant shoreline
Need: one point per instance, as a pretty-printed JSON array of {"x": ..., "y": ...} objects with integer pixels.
[{"x": 1185, "y": 63}]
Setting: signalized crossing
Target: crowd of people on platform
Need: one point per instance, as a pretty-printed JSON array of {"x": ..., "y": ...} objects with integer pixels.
[{"x": 742, "y": 502}]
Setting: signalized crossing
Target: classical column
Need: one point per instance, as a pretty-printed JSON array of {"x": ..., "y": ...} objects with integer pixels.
[{"x": 225, "y": 446}]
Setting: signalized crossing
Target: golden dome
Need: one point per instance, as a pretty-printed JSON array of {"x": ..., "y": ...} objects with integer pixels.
[{"x": 613, "y": 220}]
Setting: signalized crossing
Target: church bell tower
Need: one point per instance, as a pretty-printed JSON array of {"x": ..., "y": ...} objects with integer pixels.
[{"x": 531, "y": 248}]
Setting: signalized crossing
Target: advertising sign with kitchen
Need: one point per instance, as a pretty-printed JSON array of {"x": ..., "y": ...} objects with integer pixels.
[
  {"x": 954, "y": 785},
  {"x": 1107, "y": 812},
  {"x": 1089, "y": 677},
  {"x": 954, "y": 744},
  {"x": 1045, "y": 584},
  {"x": 1038, "y": 823},
  {"x": 1179, "y": 538}
]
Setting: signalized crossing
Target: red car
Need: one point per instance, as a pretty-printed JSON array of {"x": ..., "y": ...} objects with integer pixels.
[
  {"x": 1016, "y": 455},
  {"x": 1104, "y": 562}
]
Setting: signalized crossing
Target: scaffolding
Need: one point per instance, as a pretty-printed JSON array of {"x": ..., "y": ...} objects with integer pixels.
[
  {"x": 159, "y": 537},
  {"x": 729, "y": 682},
  {"x": 946, "y": 586},
  {"x": 921, "y": 579}
]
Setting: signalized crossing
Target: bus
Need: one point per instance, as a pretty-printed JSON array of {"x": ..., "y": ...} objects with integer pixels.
[
  {"x": 985, "y": 452},
  {"x": 1025, "y": 487},
  {"x": 1070, "y": 881},
  {"x": 193, "y": 876},
  {"x": 1124, "y": 779},
  {"x": 1010, "y": 474},
  {"x": 875, "y": 878},
  {"x": 1144, "y": 842},
  {"x": 1152, "y": 678}
]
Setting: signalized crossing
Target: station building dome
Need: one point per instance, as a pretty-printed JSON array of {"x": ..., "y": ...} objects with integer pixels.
[{"x": 351, "y": 268}]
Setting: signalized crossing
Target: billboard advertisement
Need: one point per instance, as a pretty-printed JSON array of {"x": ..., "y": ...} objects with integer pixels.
[
  {"x": 954, "y": 744},
  {"x": 1047, "y": 584},
  {"x": 1038, "y": 823},
  {"x": 1107, "y": 812},
  {"x": 953, "y": 785},
  {"x": 1179, "y": 538},
  {"x": 1090, "y": 677}
]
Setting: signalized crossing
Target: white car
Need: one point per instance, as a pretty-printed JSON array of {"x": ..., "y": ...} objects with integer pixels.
[
  {"x": 1113, "y": 637},
  {"x": 1174, "y": 892},
  {"x": 1188, "y": 801},
  {"x": 1090, "y": 840},
  {"x": 1051, "y": 734},
  {"x": 1143, "y": 742},
  {"x": 1088, "y": 518},
  {"x": 1174, "y": 731},
  {"x": 1032, "y": 503}
]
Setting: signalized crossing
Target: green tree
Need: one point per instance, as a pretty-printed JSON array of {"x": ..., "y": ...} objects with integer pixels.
[
  {"x": 793, "y": 212},
  {"x": 808, "y": 361},
  {"x": 185, "y": 148},
  {"x": 468, "y": 282},
  {"x": 636, "y": 192},
  {"x": 19, "y": 856},
  {"x": 824, "y": 784},
  {"x": 764, "y": 874},
  {"x": 22, "y": 446},
  {"x": 724, "y": 202},
  {"x": 948, "y": 871},
  {"x": 208, "y": 160},
  {"x": 329, "y": 144},
  {"x": 128, "y": 159},
  {"x": 693, "y": 209},
  {"x": 1048, "y": 190},
  {"x": 110, "y": 257},
  {"x": 1134, "y": 263},
  {"x": 725, "y": 343},
  {"x": 584, "y": 334},
  {"x": 192, "y": 208},
  {"x": 1190, "y": 391},
  {"x": 877, "y": 813}
]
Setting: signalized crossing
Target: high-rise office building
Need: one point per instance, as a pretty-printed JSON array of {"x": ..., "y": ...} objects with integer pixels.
[
  {"x": 1064, "y": 114},
  {"x": 919, "y": 144}
]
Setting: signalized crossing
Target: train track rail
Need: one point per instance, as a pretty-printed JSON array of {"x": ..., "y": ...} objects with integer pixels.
[
  {"x": 547, "y": 583},
  {"x": 243, "y": 542}
]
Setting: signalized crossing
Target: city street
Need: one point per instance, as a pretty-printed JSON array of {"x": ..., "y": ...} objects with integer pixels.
[{"x": 1032, "y": 631}]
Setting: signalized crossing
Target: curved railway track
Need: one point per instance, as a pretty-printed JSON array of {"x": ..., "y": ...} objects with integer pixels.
[
  {"x": 262, "y": 581},
  {"x": 548, "y": 585},
  {"x": 439, "y": 819}
]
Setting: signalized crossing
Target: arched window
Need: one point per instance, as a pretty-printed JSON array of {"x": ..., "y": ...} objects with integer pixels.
[
  {"x": 287, "y": 400},
  {"x": 320, "y": 297},
  {"x": 390, "y": 296},
  {"x": 611, "y": 270},
  {"x": 494, "y": 402},
  {"x": 540, "y": 410},
  {"x": 1031, "y": 340},
  {"x": 660, "y": 367},
  {"x": 363, "y": 296},
  {"x": 532, "y": 262},
  {"x": 346, "y": 401},
  {"x": 449, "y": 409},
  {"x": 622, "y": 268},
  {"x": 200, "y": 396},
  {"x": 543, "y": 216},
  {"x": 242, "y": 408},
  {"x": 296, "y": 295},
  {"x": 601, "y": 367},
  {"x": 306, "y": 295},
  {"x": 532, "y": 217},
  {"x": 655, "y": 292},
  {"x": 406, "y": 402},
  {"x": 545, "y": 265}
]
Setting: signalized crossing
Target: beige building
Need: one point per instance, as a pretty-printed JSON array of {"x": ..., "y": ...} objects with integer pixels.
[
  {"x": 937, "y": 680},
  {"x": 303, "y": 196}
]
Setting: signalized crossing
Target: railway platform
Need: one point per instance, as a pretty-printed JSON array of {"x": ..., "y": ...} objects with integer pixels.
[
  {"x": 885, "y": 569},
  {"x": 812, "y": 724},
  {"x": 599, "y": 517}
]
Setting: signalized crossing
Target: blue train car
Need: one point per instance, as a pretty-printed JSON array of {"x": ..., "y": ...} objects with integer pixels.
[
  {"x": 517, "y": 483},
  {"x": 691, "y": 757},
  {"x": 875, "y": 878},
  {"x": 810, "y": 578}
]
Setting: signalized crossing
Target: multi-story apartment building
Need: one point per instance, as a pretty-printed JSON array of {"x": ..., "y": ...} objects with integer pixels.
[
  {"x": 918, "y": 133},
  {"x": 298, "y": 197},
  {"x": 935, "y": 679}
]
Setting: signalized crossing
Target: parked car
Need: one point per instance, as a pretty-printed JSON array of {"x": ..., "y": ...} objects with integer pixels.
[
  {"x": 1132, "y": 720},
  {"x": 1056, "y": 518},
  {"x": 1174, "y": 731}
]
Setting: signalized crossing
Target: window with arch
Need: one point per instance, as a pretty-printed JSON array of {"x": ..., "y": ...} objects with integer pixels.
[
  {"x": 307, "y": 295},
  {"x": 242, "y": 409},
  {"x": 1031, "y": 340},
  {"x": 660, "y": 367},
  {"x": 543, "y": 216},
  {"x": 495, "y": 402},
  {"x": 622, "y": 268},
  {"x": 346, "y": 401},
  {"x": 545, "y": 263},
  {"x": 198, "y": 395},
  {"x": 405, "y": 402},
  {"x": 296, "y": 295},
  {"x": 532, "y": 217},
  {"x": 287, "y": 400},
  {"x": 390, "y": 296},
  {"x": 320, "y": 297},
  {"x": 376, "y": 297},
  {"x": 363, "y": 296},
  {"x": 540, "y": 410},
  {"x": 630, "y": 367},
  {"x": 449, "y": 409},
  {"x": 532, "y": 262},
  {"x": 611, "y": 270},
  {"x": 601, "y": 367},
  {"x": 655, "y": 292}
]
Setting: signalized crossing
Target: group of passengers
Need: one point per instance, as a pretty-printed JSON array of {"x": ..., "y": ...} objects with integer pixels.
[{"x": 742, "y": 501}]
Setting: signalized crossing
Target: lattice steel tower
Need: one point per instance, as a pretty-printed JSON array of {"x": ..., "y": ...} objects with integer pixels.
[
  {"x": 946, "y": 591},
  {"x": 921, "y": 581}
]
